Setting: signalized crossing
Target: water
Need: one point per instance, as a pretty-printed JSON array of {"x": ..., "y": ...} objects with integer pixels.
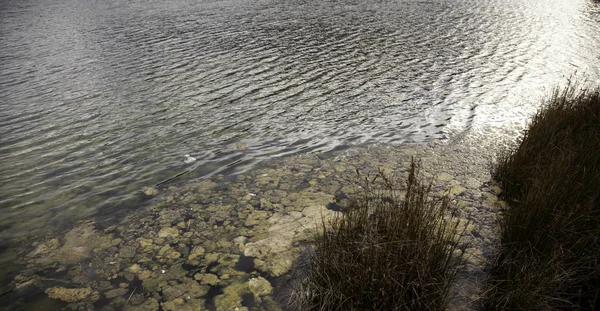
[{"x": 101, "y": 98}]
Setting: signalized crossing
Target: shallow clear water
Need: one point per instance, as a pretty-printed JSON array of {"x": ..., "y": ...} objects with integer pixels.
[{"x": 100, "y": 98}]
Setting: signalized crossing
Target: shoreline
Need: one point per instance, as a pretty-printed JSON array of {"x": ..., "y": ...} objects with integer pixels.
[{"x": 247, "y": 237}]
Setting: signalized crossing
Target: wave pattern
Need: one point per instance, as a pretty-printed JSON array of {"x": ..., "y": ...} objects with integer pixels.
[{"x": 99, "y": 98}]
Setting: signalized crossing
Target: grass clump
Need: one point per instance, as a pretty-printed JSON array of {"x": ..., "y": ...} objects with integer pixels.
[
  {"x": 391, "y": 249},
  {"x": 549, "y": 254}
]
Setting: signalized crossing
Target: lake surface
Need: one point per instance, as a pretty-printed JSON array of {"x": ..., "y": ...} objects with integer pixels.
[{"x": 100, "y": 98}]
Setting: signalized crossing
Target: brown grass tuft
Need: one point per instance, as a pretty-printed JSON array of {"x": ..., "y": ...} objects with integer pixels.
[
  {"x": 392, "y": 249},
  {"x": 550, "y": 253}
]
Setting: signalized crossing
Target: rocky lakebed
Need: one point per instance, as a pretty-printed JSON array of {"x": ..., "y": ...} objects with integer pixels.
[{"x": 233, "y": 243}]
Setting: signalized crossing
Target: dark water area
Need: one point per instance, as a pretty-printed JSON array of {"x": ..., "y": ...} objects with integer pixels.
[{"x": 101, "y": 98}]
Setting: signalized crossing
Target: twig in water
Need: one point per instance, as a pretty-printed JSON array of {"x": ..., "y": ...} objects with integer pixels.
[
  {"x": 130, "y": 296},
  {"x": 172, "y": 178},
  {"x": 5, "y": 292}
]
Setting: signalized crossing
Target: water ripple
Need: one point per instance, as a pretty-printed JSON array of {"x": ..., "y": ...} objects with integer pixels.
[{"x": 101, "y": 98}]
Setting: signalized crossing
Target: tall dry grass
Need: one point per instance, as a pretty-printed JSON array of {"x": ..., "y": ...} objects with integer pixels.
[
  {"x": 550, "y": 252},
  {"x": 394, "y": 248}
]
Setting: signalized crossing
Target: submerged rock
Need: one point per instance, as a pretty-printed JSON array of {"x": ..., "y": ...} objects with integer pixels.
[
  {"x": 240, "y": 242},
  {"x": 78, "y": 244},
  {"x": 256, "y": 217},
  {"x": 71, "y": 295},
  {"x": 168, "y": 253},
  {"x": 180, "y": 304},
  {"x": 285, "y": 229},
  {"x": 128, "y": 251},
  {"x": 160, "y": 278},
  {"x": 231, "y": 299},
  {"x": 265, "y": 204},
  {"x": 208, "y": 279},
  {"x": 135, "y": 268},
  {"x": 196, "y": 253},
  {"x": 260, "y": 287},
  {"x": 29, "y": 285},
  {"x": 45, "y": 248},
  {"x": 149, "y": 305},
  {"x": 115, "y": 293},
  {"x": 187, "y": 289},
  {"x": 168, "y": 232},
  {"x": 444, "y": 177},
  {"x": 146, "y": 244},
  {"x": 150, "y": 191},
  {"x": 456, "y": 190}
]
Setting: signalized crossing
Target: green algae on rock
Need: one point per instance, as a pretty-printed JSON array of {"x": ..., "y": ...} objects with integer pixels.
[
  {"x": 208, "y": 278},
  {"x": 181, "y": 304},
  {"x": 115, "y": 293},
  {"x": 79, "y": 243},
  {"x": 168, "y": 232},
  {"x": 151, "y": 304},
  {"x": 231, "y": 299},
  {"x": 260, "y": 287},
  {"x": 72, "y": 294},
  {"x": 149, "y": 191}
]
